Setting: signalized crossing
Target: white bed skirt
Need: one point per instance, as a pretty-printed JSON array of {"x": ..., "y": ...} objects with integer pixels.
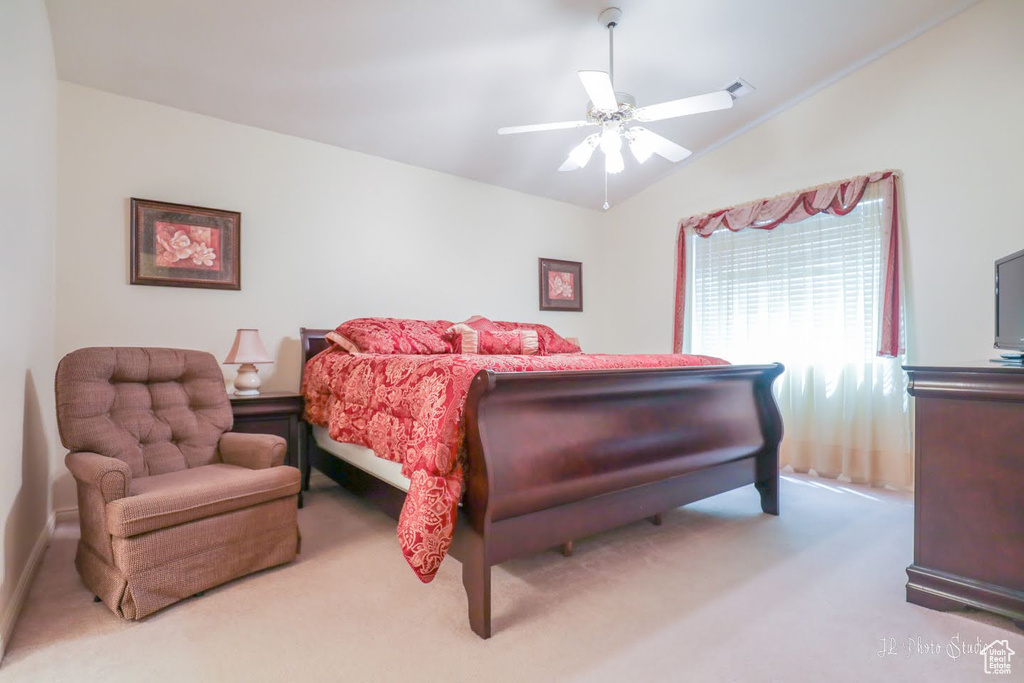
[{"x": 363, "y": 458}]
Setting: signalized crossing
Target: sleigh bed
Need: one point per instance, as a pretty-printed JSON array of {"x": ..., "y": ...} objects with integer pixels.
[{"x": 554, "y": 456}]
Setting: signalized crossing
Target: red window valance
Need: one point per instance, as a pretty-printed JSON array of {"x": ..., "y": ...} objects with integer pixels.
[{"x": 835, "y": 198}]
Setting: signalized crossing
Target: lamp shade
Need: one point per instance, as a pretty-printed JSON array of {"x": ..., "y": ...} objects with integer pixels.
[{"x": 248, "y": 348}]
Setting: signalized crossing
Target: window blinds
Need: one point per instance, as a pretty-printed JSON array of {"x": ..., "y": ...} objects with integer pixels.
[{"x": 803, "y": 292}]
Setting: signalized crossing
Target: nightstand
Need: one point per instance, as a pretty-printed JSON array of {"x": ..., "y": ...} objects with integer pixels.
[{"x": 277, "y": 413}]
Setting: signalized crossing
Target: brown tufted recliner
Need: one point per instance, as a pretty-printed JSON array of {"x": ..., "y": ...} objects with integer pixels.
[{"x": 171, "y": 502}]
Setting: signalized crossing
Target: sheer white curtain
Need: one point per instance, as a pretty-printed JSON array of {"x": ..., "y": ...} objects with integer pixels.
[{"x": 808, "y": 294}]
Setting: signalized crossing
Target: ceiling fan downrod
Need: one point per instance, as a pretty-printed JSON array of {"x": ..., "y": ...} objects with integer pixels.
[{"x": 610, "y": 18}]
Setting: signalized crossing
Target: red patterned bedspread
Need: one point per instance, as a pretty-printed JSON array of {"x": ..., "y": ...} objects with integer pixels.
[{"x": 408, "y": 409}]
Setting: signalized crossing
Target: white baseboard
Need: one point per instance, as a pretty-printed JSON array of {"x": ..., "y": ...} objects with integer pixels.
[
  {"x": 20, "y": 593},
  {"x": 65, "y": 515}
]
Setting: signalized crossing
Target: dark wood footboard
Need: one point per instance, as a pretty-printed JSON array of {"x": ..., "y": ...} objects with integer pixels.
[{"x": 554, "y": 456}]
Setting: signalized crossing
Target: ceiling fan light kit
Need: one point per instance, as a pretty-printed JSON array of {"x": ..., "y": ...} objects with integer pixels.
[
  {"x": 639, "y": 145},
  {"x": 580, "y": 154},
  {"x": 615, "y": 112}
]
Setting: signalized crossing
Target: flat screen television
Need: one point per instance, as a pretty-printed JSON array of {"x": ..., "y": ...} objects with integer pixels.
[{"x": 1010, "y": 302}]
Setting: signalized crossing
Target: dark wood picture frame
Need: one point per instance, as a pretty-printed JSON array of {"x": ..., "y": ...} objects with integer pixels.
[
  {"x": 550, "y": 301},
  {"x": 217, "y": 264}
]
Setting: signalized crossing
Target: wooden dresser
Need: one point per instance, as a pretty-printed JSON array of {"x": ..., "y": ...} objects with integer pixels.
[{"x": 969, "y": 489}]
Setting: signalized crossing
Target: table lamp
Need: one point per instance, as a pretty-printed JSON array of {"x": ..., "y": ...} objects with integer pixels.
[{"x": 247, "y": 350}]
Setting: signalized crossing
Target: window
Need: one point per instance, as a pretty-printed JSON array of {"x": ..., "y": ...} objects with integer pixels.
[
  {"x": 807, "y": 295},
  {"x": 803, "y": 292}
]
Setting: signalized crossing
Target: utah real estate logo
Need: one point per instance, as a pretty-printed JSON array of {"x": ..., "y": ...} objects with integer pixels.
[{"x": 997, "y": 656}]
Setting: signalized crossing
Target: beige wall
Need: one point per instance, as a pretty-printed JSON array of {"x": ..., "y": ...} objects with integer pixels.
[
  {"x": 327, "y": 234},
  {"x": 27, "y": 221},
  {"x": 945, "y": 109}
]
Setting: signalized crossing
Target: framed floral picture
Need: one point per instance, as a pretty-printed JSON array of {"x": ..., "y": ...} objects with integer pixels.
[
  {"x": 176, "y": 245},
  {"x": 561, "y": 285}
]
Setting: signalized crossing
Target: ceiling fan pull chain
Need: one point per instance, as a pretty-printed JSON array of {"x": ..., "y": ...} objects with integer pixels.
[{"x": 606, "y": 190}]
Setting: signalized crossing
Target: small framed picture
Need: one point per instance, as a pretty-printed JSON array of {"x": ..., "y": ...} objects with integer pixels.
[
  {"x": 176, "y": 245},
  {"x": 561, "y": 285}
]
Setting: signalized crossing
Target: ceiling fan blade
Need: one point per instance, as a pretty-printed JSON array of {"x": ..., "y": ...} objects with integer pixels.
[
  {"x": 599, "y": 89},
  {"x": 663, "y": 147},
  {"x": 561, "y": 125},
  {"x": 688, "y": 105}
]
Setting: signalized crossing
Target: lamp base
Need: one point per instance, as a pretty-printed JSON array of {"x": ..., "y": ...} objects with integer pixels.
[{"x": 247, "y": 381}]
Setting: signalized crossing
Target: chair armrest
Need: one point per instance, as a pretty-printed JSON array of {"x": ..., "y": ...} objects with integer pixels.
[
  {"x": 254, "y": 451},
  {"x": 110, "y": 476}
]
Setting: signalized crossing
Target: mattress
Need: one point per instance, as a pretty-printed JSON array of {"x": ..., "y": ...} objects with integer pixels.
[{"x": 363, "y": 458}]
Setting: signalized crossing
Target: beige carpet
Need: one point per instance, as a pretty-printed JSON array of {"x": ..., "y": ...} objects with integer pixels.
[{"x": 720, "y": 592}]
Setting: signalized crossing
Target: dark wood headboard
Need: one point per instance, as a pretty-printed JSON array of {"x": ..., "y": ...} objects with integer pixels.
[{"x": 313, "y": 341}]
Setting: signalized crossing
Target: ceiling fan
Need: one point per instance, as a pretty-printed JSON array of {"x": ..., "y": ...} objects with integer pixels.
[{"x": 616, "y": 112}]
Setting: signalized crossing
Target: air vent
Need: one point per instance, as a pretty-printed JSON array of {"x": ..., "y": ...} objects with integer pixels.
[{"x": 739, "y": 88}]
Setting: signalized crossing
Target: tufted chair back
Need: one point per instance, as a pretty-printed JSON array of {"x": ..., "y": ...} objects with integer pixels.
[{"x": 158, "y": 410}]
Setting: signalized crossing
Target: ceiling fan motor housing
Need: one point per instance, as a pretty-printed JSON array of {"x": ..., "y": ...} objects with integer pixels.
[{"x": 626, "y": 102}]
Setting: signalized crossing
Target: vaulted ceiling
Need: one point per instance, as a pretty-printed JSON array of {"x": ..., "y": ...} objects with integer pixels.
[{"x": 428, "y": 84}]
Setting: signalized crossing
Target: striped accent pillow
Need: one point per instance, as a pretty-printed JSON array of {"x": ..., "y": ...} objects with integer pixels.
[{"x": 511, "y": 342}]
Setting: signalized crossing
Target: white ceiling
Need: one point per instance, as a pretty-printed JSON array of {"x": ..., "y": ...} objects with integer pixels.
[{"x": 429, "y": 83}]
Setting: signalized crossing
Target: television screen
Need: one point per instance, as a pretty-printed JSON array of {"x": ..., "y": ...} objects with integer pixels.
[{"x": 1010, "y": 302}]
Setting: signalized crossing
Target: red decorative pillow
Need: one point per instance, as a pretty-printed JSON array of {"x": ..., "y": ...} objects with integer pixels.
[
  {"x": 480, "y": 324},
  {"x": 550, "y": 341},
  {"x": 476, "y": 323},
  {"x": 511, "y": 342},
  {"x": 392, "y": 335},
  {"x": 518, "y": 342}
]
